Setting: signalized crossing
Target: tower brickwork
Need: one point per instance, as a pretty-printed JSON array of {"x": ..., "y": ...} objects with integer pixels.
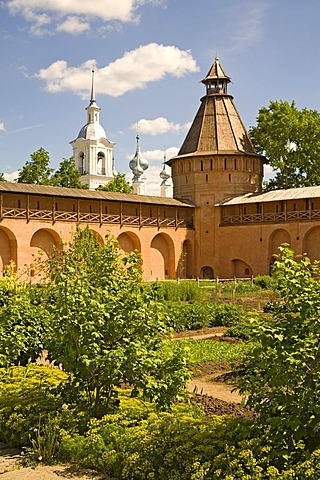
[{"x": 216, "y": 161}]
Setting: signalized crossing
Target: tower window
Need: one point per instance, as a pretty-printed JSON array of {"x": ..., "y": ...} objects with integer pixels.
[
  {"x": 206, "y": 178},
  {"x": 38, "y": 205},
  {"x": 225, "y": 164},
  {"x": 201, "y": 166},
  {"x": 19, "y": 203},
  {"x": 229, "y": 177},
  {"x": 235, "y": 164},
  {"x": 211, "y": 164}
]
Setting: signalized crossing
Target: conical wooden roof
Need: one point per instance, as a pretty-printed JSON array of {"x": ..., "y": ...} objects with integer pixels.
[{"x": 217, "y": 127}]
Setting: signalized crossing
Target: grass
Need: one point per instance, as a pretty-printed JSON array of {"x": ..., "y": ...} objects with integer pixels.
[{"x": 200, "y": 351}]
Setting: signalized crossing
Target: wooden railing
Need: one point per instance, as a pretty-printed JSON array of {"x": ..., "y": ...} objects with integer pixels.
[
  {"x": 278, "y": 217},
  {"x": 101, "y": 218}
]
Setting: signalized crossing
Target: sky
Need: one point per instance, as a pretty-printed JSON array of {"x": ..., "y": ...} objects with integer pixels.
[{"x": 149, "y": 58}]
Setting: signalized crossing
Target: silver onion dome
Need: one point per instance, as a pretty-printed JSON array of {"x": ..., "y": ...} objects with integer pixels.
[{"x": 138, "y": 158}]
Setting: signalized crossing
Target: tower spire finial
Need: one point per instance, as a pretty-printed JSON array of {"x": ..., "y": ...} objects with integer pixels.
[{"x": 93, "y": 96}]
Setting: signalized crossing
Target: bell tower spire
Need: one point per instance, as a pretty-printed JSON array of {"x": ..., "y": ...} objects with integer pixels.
[{"x": 92, "y": 151}]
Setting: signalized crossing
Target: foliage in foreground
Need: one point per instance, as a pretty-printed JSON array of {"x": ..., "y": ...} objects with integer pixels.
[
  {"x": 282, "y": 374},
  {"x": 108, "y": 327},
  {"x": 136, "y": 442},
  {"x": 98, "y": 319}
]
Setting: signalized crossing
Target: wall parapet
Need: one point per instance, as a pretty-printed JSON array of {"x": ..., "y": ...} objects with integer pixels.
[
  {"x": 277, "y": 217},
  {"x": 100, "y": 218}
]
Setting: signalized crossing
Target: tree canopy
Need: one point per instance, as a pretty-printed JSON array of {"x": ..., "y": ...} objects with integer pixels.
[
  {"x": 37, "y": 169},
  {"x": 117, "y": 184},
  {"x": 67, "y": 175},
  {"x": 290, "y": 140}
]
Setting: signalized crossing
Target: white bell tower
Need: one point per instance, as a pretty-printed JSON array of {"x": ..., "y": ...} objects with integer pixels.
[{"x": 92, "y": 151}]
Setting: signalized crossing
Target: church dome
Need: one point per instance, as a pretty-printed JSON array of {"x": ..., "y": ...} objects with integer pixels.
[{"x": 92, "y": 131}]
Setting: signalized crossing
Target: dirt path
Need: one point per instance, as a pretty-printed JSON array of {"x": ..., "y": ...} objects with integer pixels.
[
  {"x": 209, "y": 385},
  {"x": 11, "y": 469}
]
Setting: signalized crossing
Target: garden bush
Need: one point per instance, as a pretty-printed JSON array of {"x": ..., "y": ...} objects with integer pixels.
[
  {"x": 193, "y": 316},
  {"x": 183, "y": 291},
  {"x": 264, "y": 281},
  {"x": 28, "y": 396}
]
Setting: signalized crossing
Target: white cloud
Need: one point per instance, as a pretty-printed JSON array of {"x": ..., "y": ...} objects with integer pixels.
[
  {"x": 2, "y": 127},
  {"x": 147, "y": 63},
  {"x": 42, "y": 12},
  {"x": 73, "y": 25},
  {"x": 157, "y": 155},
  {"x": 11, "y": 176},
  {"x": 268, "y": 172},
  {"x": 159, "y": 126}
]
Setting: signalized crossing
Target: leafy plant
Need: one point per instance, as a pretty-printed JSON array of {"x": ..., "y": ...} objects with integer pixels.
[
  {"x": 23, "y": 320},
  {"x": 108, "y": 327},
  {"x": 281, "y": 375},
  {"x": 182, "y": 291},
  {"x": 193, "y": 316}
]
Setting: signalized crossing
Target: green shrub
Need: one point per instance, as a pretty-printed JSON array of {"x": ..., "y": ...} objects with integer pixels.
[
  {"x": 183, "y": 291},
  {"x": 200, "y": 315},
  {"x": 162, "y": 446},
  {"x": 242, "y": 331},
  {"x": 28, "y": 395},
  {"x": 264, "y": 281}
]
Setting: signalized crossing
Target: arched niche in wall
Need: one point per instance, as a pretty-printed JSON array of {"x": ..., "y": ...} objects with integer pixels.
[
  {"x": 129, "y": 242},
  {"x": 207, "y": 272},
  {"x": 162, "y": 257},
  {"x": 45, "y": 240},
  {"x": 311, "y": 243},
  {"x": 241, "y": 269},
  {"x": 8, "y": 248},
  {"x": 277, "y": 238},
  {"x": 98, "y": 236}
]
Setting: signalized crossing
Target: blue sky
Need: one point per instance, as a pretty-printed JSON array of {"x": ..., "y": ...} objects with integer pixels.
[{"x": 149, "y": 57}]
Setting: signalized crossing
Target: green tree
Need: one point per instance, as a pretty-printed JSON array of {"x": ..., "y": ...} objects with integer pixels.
[
  {"x": 2, "y": 179},
  {"x": 67, "y": 175},
  {"x": 37, "y": 170},
  {"x": 117, "y": 184},
  {"x": 282, "y": 374},
  {"x": 108, "y": 327},
  {"x": 290, "y": 140}
]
